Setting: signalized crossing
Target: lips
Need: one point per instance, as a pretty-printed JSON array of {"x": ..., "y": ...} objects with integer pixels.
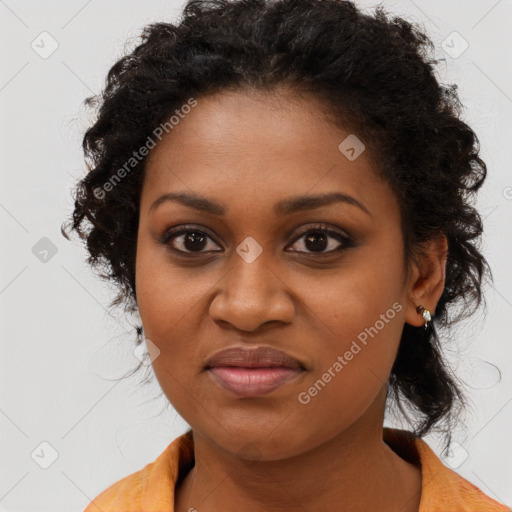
[
  {"x": 253, "y": 372},
  {"x": 259, "y": 357}
]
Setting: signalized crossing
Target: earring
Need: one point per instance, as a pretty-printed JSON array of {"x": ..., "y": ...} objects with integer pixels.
[{"x": 425, "y": 313}]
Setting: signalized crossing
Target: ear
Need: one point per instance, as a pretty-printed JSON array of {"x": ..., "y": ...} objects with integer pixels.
[{"x": 427, "y": 278}]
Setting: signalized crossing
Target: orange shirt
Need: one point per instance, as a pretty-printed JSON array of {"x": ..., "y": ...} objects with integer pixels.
[{"x": 152, "y": 488}]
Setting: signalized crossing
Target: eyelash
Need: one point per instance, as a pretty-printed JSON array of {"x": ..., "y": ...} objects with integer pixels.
[{"x": 346, "y": 242}]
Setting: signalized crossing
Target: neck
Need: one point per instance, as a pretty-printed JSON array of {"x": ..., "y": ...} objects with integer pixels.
[{"x": 354, "y": 471}]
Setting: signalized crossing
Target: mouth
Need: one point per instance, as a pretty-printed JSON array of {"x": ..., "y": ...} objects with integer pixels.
[
  {"x": 252, "y": 382},
  {"x": 246, "y": 372}
]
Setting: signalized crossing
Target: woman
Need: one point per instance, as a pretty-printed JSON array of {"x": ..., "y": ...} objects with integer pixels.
[{"x": 282, "y": 190}]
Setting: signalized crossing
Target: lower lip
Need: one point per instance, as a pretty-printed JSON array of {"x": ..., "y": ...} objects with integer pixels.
[{"x": 252, "y": 382}]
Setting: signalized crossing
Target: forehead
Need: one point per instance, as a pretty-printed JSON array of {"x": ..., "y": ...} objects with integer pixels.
[{"x": 260, "y": 146}]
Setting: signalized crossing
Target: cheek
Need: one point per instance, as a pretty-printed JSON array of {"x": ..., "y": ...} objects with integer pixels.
[
  {"x": 166, "y": 306},
  {"x": 359, "y": 322},
  {"x": 362, "y": 301},
  {"x": 160, "y": 298},
  {"x": 166, "y": 295},
  {"x": 356, "y": 358},
  {"x": 171, "y": 306}
]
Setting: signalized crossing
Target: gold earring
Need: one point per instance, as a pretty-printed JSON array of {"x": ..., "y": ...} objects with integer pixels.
[{"x": 425, "y": 313}]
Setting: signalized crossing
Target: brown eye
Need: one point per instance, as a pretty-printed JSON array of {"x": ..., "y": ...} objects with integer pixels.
[
  {"x": 323, "y": 241},
  {"x": 317, "y": 240},
  {"x": 188, "y": 241}
]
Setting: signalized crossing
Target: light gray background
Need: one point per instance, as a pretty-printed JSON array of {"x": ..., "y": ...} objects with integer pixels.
[{"x": 61, "y": 350}]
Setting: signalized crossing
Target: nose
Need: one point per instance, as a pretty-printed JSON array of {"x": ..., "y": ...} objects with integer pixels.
[{"x": 251, "y": 295}]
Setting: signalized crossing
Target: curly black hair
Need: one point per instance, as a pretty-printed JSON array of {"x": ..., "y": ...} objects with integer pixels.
[{"x": 374, "y": 73}]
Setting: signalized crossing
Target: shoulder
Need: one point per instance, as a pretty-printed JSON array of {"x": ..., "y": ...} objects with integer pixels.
[
  {"x": 152, "y": 486},
  {"x": 442, "y": 489},
  {"x": 128, "y": 490}
]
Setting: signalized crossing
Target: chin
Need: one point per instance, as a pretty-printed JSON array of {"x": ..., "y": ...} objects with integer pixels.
[{"x": 251, "y": 444}]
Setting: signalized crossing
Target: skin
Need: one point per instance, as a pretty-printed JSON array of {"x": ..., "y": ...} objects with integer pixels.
[{"x": 247, "y": 151}]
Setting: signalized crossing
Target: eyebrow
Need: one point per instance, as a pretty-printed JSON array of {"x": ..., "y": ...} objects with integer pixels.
[{"x": 284, "y": 207}]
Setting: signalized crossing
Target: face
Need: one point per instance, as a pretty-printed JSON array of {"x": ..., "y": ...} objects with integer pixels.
[{"x": 323, "y": 283}]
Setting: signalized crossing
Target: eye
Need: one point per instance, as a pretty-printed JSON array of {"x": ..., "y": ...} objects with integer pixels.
[
  {"x": 187, "y": 241},
  {"x": 318, "y": 240},
  {"x": 323, "y": 241}
]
